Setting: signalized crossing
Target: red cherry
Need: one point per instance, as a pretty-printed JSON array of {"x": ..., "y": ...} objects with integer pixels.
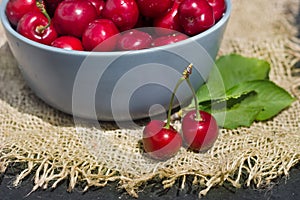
[
  {"x": 124, "y": 13},
  {"x": 195, "y": 16},
  {"x": 134, "y": 40},
  {"x": 159, "y": 142},
  {"x": 219, "y": 8},
  {"x": 100, "y": 31},
  {"x": 15, "y": 9},
  {"x": 168, "y": 39},
  {"x": 169, "y": 20},
  {"x": 99, "y": 5},
  {"x": 71, "y": 17},
  {"x": 32, "y": 26},
  {"x": 199, "y": 135},
  {"x": 67, "y": 42},
  {"x": 154, "y": 8}
]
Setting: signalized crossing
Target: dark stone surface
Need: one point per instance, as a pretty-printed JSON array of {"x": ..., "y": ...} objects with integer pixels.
[{"x": 285, "y": 188}]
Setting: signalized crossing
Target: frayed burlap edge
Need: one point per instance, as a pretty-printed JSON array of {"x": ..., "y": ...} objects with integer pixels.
[{"x": 250, "y": 166}]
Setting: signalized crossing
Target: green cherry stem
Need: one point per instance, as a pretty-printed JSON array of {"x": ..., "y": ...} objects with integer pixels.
[
  {"x": 42, "y": 8},
  {"x": 198, "y": 116},
  {"x": 167, "y": 126},
  {"x": 187, "y": 78},
  {"x": 185, "y": 74}
]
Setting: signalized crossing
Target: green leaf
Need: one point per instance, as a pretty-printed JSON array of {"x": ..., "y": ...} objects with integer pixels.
[
  {"x": 236, "y": 69},
  {"x": 227, "y": 102},
  {"x": 270, "y": 97},
  {"x": 233, "y": 112},
  {"x": 239, "y": 115},
  {"x": 231, "y": 70},
  {"x": 266, "y": 100},
  {"x": 239, "y": 92}
]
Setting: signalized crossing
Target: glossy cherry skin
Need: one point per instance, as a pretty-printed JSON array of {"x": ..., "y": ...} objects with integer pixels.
[
  {"x": 124, "y": 13},
  {"x": 71, "y": 17},
  {"x": 154, "y": 8},
  {"x": 168, "y": 39},
  {"x": 68, "y": 42},
  {"x": 169, "y": 20},
  {"x": 134, "y": 40},
  {"x": 15, "y": 9},
  {"x": 100, "y": 35},
  {"x": 195, "y": 16},
  {"x": 199, "y": 135},
  {"x": 30, "y": 27},
  {"x": 219, "y": 7},
  {"x": 99, "y": 5},
  {"x": 160, "y": 143}
]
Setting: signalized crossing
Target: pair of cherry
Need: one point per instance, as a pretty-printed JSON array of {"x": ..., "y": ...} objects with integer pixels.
[{"x": 199, "y": 130}]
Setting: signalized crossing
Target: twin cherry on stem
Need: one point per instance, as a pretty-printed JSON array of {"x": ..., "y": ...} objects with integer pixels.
[{"x": 162, "y": 141}]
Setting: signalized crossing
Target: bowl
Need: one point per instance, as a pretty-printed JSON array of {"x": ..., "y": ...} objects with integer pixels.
[{"x": 115, "y": 86}]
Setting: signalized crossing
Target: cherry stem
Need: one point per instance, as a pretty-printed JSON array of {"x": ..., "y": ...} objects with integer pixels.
[
  {"x": 185, "y": 75},
  {"x": 167, "y": 126},
  {"x": 198, "y": 116},
  {"x": 42, "y": 8}
]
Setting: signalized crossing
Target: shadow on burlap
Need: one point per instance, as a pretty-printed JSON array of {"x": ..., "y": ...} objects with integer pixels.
[{"x": 53, "y": 149}]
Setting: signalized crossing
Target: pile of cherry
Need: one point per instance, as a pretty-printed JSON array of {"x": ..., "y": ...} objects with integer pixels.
[{"x": 90, "y": 25}]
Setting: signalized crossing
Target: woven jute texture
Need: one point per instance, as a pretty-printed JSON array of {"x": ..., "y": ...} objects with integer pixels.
[{"x": 53, "y": 148}]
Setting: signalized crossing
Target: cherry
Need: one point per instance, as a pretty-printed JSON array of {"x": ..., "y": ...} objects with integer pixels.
[
  {"x": 195, "y": 16},
  {"x": 159, "y": 142},
  {"x": 124, "y": 13},
  {"x": 36, "y": 26},
  {"x": 68, "y": 42},
  {"x": 71, "y": 17},
  {"x": 134, "y": 40},
  {"x": 169, "y": 20},
  {"x": 154, "y": 8},
  {"x": 99, "y": 5},
  {"x": 100, "y": 31},
  {"x": 15, "y": 9},
  {"x": 168, "y": 39},
  {"x": 199, "y": 135},
  {"x": 219, "y": 8},
  {"x": 199, "y": 128}
]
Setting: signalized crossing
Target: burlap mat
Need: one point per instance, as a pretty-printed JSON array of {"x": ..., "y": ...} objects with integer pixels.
[{"x": 53, "y": 149}]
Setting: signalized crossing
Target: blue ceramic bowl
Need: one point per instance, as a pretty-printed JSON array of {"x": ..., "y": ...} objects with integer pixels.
[{"x": 117, "y": 86}]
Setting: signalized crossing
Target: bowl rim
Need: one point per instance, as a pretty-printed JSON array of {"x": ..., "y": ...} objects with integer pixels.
[{"x": 9, "y": 28}]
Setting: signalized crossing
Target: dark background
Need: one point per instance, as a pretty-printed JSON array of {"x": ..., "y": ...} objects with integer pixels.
[{"x": 284, "y": 188}]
